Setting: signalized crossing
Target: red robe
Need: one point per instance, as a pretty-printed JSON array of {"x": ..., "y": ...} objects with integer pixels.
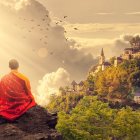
[{"x": 15, "y": 96}]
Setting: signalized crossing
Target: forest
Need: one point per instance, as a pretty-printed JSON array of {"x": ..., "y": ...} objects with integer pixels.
[{"x": 107, "y": 112}]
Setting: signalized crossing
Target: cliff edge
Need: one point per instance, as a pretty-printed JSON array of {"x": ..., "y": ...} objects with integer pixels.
[{"x": 35, "y": 124}]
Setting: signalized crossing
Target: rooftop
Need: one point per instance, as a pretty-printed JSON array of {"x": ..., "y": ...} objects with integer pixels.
[
  {"x": 81, "y": 83},
  {"x": 107, "y": 64},
  {"x": 73, "y": 83},
  {"x": 119, "y": 58}
]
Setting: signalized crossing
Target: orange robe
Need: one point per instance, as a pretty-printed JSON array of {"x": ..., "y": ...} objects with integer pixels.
[{"x": 15, "y": 96}]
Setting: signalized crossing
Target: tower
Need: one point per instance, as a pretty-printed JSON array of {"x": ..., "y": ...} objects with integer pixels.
[{"x": 102, "y": 57}]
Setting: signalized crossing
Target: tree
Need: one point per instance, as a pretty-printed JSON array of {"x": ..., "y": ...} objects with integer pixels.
[
  {"x": 118, "y": 82},
  {"x": 134, "y": 78},
  {"x": 127, "y": 124},
  {"x": 93, "y": 119}
]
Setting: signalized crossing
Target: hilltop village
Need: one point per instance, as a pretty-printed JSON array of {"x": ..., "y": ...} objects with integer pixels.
[{"x": 128, "y": 54}]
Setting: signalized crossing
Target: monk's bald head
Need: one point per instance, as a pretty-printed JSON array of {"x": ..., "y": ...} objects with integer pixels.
[{"x": 13, "y": 64}]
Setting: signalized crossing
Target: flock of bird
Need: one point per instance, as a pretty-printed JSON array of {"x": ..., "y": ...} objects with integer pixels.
[{"x": 41, "y": 29}]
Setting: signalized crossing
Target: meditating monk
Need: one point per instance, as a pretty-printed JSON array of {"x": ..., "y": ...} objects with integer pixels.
[{"x": 15, "y": 93}]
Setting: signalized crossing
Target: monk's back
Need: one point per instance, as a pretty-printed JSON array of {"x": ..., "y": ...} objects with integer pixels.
[
  {"x": 15, "y": 93},
  {"x": 13, "y": 85}
]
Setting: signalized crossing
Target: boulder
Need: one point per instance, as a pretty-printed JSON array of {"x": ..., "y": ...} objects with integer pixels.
[{"x": 35, "y": 124}]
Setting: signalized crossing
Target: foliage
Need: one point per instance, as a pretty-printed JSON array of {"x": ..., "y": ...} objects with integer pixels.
[
  {"x": 89, "y": 83},
  {"x": 94, "y": 120},
  {"x": 65, "y": 102},
  {"x": 118, "y": 82}
]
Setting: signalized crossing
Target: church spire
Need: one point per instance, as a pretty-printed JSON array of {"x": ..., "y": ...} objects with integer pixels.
[
  {"x": 102, "y": 57},
  {"x": 102, "y": 52}
]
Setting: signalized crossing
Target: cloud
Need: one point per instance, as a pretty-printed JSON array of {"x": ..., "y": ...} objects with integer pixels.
[
  {"x": 16, "y": 4},
  {"x": 7, "y": 3},
  {"x": 105, "y": 13},
  {"x": 29, "y": 35},
  {"x": 98, "y": 28},
  {"x": 133, "y": 13},
  {"x": 50, "y": 84},
  {"x": 43, "y": 52},
  {"x": 84, "y": 42},
  {"x": 112, "y": 47},
  {"x": 21, "y": 3},
  {"x": 92, "y": 37}
]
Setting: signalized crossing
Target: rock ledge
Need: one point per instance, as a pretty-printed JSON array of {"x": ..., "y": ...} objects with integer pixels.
[{"x": 35, "y": 124}]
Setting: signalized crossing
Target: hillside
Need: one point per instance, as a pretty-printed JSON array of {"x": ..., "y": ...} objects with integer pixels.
[
  {"x": 103, "y": 112},
  {"x": 116, "y": 85},
  {"x": 119, "y": 83},
  {"x": 92, "y": 119}
]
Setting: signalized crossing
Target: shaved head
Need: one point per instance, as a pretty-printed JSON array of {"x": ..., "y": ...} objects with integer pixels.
[{"x": 13, "y": 64}]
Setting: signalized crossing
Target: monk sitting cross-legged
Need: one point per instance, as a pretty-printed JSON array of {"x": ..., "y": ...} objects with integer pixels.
[{"x": 15, "y": 93}]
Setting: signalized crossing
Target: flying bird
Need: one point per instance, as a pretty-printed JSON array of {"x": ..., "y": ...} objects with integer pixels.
[
  {"x": 51, "y": 53},
  {"x": 75, "y": 28}
]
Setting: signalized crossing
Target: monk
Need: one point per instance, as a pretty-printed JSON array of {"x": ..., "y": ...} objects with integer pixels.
[{"x": 15, "y": 93}]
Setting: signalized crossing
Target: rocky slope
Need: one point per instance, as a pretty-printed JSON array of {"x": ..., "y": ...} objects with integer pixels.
[{"x": 35, "y": 124}]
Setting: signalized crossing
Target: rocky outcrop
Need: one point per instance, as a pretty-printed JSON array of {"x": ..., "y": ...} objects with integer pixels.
[{"x": 35, "y": 124}]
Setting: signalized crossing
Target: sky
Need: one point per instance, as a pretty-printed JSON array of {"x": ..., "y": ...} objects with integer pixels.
[
  {"x": 100, "y": 23},
  {"x": 57, "y": 41},
  {"x": 95, "y": 11}
]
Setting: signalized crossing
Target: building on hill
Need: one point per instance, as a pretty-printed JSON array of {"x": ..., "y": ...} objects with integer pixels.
[
  {"x": 74, "y": 86},
  {"x": 128, "y": 53},
  {"x": 118, "y": 61},
  {"x": 102, "y": 65},
  {"x": 137, "y": 97},
  {"x": 77, "y": 87},
  {"x": 81, "y": 86},
  {"x": 135, "y": 41},
  {"x": 133, "y": 51},
  {"x": 102, "y": 57},
  {"x": 105, "y": 65}
]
